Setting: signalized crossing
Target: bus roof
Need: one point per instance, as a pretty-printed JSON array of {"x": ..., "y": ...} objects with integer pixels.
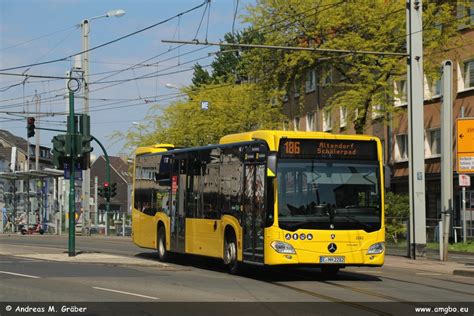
[
  {"x": 153, "y": 149},
  {"x": 272, "y": 137}
]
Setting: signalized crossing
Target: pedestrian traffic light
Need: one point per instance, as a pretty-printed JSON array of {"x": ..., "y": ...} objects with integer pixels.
[
  {"x": 59, "y": 151},
  {"x": 100, "y": 191},
  {"x": 113, "y": 190},
  {"x": 30, "y": 126}
]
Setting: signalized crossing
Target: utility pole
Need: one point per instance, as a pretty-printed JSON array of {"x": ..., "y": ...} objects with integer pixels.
[
  {"x": 416, "y": 129},
  {"x": 86, "y": 182},
  {"x": 37, "y": 132}
]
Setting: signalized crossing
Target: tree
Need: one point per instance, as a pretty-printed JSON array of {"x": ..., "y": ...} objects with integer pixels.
[
  {"x": 366, "y": 80},
  {"x": 397, "y": 212},
  {"x": 232, "y": 109},
  {"x": 200, "y": 76},
  {"x": 228, "y": 65}
]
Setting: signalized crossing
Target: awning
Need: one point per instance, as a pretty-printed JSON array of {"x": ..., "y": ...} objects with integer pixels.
[{"x": 32, "y": 174}]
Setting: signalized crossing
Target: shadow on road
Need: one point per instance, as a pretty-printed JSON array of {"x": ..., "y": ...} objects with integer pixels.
[{"x": 262, "y": 273}]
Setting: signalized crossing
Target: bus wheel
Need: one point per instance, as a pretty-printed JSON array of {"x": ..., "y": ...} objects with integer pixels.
[
  {"x": 161, "y": 247},
  {"x": 230, "y": 254},
  {"x": 330, "y": 271}
]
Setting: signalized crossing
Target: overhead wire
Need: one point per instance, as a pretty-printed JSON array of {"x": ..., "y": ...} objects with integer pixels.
[{"x": 109, "y": 42}]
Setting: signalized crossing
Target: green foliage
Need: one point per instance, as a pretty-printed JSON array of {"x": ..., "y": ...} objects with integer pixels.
[
  {"x": 397, "y": 211},
  {"x": 364, "y": 80},
  {"x": 232, "y": 109},
  {"x": 201, "y": 76}
]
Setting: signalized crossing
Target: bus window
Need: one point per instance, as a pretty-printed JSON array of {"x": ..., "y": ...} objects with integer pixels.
[
  {"x": 210, "y": 189},
  {"x": 231, "y": 181}
]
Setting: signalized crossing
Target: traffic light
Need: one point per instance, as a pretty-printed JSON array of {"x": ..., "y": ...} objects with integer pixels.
[
  {"x": 106, "y": 190},
  {"x": 59, "y": 151},
  {"x": 86, "y": 138},
  {"x": 113, "y": 190},
  {"x": 100, "y": 191},
  {"x": 30, "y": 126}
]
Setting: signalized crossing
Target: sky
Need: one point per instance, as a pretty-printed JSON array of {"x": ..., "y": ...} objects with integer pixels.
[{"x": 36, "y": 31}]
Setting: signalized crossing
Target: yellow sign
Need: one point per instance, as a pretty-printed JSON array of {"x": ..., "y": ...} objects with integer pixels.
[{"x": 465, "y": 145}]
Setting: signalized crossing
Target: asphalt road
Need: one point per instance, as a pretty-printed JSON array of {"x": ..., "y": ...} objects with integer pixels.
[{"x": 355, "y": 291}]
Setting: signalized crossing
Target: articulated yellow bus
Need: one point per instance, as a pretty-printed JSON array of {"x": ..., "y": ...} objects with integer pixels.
[{"x": 266, "y": 198}]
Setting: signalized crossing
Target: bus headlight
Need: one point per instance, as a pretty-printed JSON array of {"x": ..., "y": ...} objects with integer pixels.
[
  {"x": 376, "y": 248},
  {"x": 282, "y": 247}
]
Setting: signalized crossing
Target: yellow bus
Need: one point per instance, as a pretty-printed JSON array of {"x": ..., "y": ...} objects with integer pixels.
[{"x": 265, "y": 198}]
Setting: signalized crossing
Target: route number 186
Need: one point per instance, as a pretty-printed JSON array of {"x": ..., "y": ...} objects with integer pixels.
[{"x": 292, "y": 147}]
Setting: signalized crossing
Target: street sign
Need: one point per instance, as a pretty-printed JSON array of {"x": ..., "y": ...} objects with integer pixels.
[
  {"x": 464, "y": 180},
  {"x": 465, "y": 145}
]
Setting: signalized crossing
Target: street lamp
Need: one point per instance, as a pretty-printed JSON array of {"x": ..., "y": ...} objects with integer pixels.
[
  {"x": 171, "y": 86},
  {"x": 85, "y": 67}
]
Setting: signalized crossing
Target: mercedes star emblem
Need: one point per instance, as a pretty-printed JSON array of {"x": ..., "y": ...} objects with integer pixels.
[{"x": 332, "y": 247}]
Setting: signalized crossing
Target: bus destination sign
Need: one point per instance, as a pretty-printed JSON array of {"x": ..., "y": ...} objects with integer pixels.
[{"x": 328, "y": 149}]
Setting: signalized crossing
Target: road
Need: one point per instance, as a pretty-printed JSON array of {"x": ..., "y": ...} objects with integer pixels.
[{"x": 194, "y": 279}]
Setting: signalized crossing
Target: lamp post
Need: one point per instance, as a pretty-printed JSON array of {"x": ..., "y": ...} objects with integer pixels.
[{"x": 85, "y": 67}]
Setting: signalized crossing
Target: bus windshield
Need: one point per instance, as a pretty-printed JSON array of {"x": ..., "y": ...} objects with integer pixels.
[{"x": 318, "y": 194}]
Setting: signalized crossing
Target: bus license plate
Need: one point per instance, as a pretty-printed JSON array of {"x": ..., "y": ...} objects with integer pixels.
[{"x": 332, "y": 259}]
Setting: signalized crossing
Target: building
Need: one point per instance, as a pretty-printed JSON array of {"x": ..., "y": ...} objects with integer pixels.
[
  {"x": 313, "y": 115},
  {"x": 119, "y": 174}
]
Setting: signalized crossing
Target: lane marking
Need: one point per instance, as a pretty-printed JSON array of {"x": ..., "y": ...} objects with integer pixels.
[
  {"x": 23, "y": 275},
  {"x": 427, "y": 273},
  {"x": 127, "y": 293}
]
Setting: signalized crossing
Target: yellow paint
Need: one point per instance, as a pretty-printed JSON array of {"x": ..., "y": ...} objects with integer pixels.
[
  {"x": 309, "y": 251},
  {"x": 270, "y": 173},
  {"x": 201, "y": 238},
  {"x": 465, "y": 135}
]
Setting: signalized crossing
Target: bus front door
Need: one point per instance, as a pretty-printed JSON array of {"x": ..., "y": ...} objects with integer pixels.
[{"x": 254, "y": 212}]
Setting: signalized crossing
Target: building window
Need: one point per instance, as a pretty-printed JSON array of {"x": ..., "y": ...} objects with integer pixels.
[
  {"x": 435, "y": 142},
  {"x": 297, "y": 87},
  {"x": 377, "y": 111},
  {"x": 343, "y": 117},
  {"x": 465, "y": 13},
  {"x": 401, "y": 92},
  {"x": 327, "y": 120},
  {"x": 310, "y": 84},
  {"x": 326, "y": 76},
  {"x": 310, "y": 122},
  {"x": 468, "y": 74},
  {"x": 401, "y": 150},
  {"x": 296, "y": 123},
  {"x": 435, "y": 88}
]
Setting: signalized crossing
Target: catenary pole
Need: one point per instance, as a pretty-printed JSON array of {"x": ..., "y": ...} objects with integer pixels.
[{"x": 416, "y": 146}]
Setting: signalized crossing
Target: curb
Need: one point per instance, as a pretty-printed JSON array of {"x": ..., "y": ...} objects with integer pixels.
[{"x": 466, "y": 273}]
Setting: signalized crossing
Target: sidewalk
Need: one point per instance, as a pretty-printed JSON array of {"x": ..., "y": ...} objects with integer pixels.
[
  {"x": 429, "y": 265},
  {"x": 56, "y": 254}
]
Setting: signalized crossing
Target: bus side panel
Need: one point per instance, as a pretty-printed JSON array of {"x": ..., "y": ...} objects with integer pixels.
[
  {"x": 204, "y": 237},
  {"x": 228, "y": 220}
]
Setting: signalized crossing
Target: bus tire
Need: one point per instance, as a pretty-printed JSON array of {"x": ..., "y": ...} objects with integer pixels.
[
  {"x": 330, "y": 271},
  {"x": 163, "y": 254},
  {"x": 230, "y": 253}
]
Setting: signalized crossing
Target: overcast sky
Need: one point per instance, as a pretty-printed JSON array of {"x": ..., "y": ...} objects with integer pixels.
[{"x": 35, "y": 31}]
